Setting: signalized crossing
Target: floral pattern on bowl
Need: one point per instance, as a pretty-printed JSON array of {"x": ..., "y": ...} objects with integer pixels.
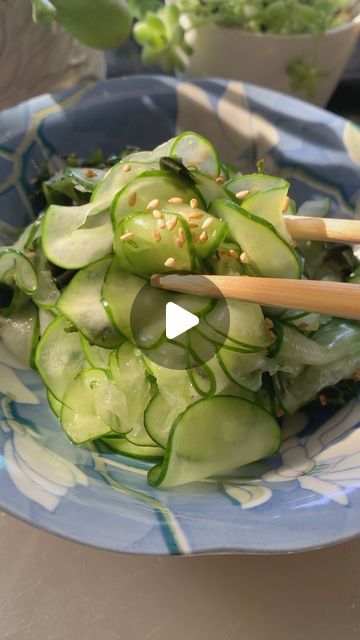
[{"x": 308, "y": 494}]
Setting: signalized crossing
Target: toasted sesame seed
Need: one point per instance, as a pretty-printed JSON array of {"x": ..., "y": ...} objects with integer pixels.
[
  {"x": 132, "y": 199},
  {"x": 242, "y": 194},
  {"x": 178, "y": 241},
  {"x": 196, "y": 215},
  {"x": 157, "y": 214},
  {"x": 89, "y": 173},
  {"x": 207, "y": 223},
  {"x": 156, "y": 235},
  {"x": 293, "y": 244},
  {"x": 176, "y": 200},
  {"x": 203, "y": 236},
  {"x": 194, "y": 203},
  {"x": 220, "y": 179},
  {"x": 214, "y": 257},
  {"x": 303, "y": 325},
  {"x": 193, "y": 225},
  {"x": 269, "y": 323},
  {"x": 323, "y": 399},
  {"x": 160, "y": 223},
  {"x": 286, "y": 204},
  {"x": 153, "y": 204},
  {"x": 223, "y": 255},
  {"x": 272, "y": 335},
  {"x": 244, "y": 257},
  {"x": 171, "y": 224},
  {"x": 182, "y": 235},
  {"x": 169, "y": 262},
  {"x": 233, "y": 254},
  {"x": 308, "y": 243},
  {"x": 126, "y": 236},
  {"x": 280, "y": 413},
  {"x": 127, "y": 167},
  {"x": 356, "y": 375}
]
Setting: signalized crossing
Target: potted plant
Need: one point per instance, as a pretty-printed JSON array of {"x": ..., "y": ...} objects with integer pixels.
[
  {"x": 299, "y": 47},
  {"x": 37, "y": 58}
]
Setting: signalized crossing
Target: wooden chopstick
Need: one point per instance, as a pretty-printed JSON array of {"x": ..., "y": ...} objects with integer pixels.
[
  {"x": 330, "y": 298},
  {"x": 324, "y": 229}
]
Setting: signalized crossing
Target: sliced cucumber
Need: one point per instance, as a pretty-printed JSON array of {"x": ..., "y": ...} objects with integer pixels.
[
  {"x": 151, "y": 187},
  {"x": 84, "y": 416},
  {"x": 210, "y": 189},
  {"x": 226, "y": 260},
  {"x": 16, "y": 268},
  {"x": 269, "y": 205},
  {"x": 97, "y": 357},
  {"x": 46, "y": 316},
  {"x": 20, "y": 333},
  {"x": 196, "y": 151},
  {"x": 118, "y": 294},
  {"x": 255, "y": 182},
  {"x": 59, "y": 351},
  {"x": 267, "y": 253},
  {"x": 138, "y": 248},
  {"x": 213, "y": 436},
  {"x": 118, "y": 176},
  {"x": 73, "y": 237},
  {"x": 159, "y": 418},
  {"x": 80, "y": 302},
  {"x": 125, "y": 448},
  {"x": 247, "y": 327},
  {"x": 243, "y": 369},
  {"x": 54, "y": 404}
]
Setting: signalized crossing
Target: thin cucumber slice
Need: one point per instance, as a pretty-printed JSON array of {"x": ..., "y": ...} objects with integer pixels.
[
  {"x": 213, "y": 436},
  {"x": 150, "y": 156},
  {"x": 80, "y": 302},
  {"x": 151, "y": 187},
  {"x": 247, "y": 326},
  {"x": 119, "y": 291},
  {"x": 207, "y": 231},
  {"x": 97, "y": 357},
  {"x": 20, "y": 333},
  {"x": 47, "y": 293},
  {"x": 243, "y": 369},
  {"x": 269, "y": 205},
  {"x": 174, "y": 385},
  {"x": 16, "y": 268},
  {"x": 46, "y": 316},
  {"x": 196, "y": 151},
  {"x": 116, "y": 179},
  {"x": 267, "y": 252},
  {"x": 255, "y": 182},
  {"x": 145, "y": 254},
  {"x": 73, "y": 237},
  {"x": 226, "y": 260},
  {"x": 84, "y": 416},
  {"x": 59, "y": 357},
  {"x": 210, "y": 189},
  {"x": 10, "y": 300},
  {"x": 87, "y": 177},
  {"x": 128, "y": 373},
  {"x": 54, "y": 404},
  {"x": 126, "y": 448},
  {"x": 159, "y": 418}
]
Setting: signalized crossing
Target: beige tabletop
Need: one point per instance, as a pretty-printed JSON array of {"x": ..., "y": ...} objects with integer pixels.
[{"x": 52, "y": 589}]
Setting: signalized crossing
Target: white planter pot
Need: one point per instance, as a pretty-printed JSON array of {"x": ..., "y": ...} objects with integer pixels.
[
  {"x": 40, "y": 58},
  {"x": 263, "y": 59}
]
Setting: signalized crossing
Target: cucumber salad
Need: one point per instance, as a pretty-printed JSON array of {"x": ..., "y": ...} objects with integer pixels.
[{"x": 68, "y": 284}]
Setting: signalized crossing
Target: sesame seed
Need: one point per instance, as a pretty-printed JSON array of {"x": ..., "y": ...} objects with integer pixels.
[
  {"x": 269, "y": 323},
  {"x": 177, "y": 241},
  {"x": 156, "y": 235},
  {"x": 194, "y": 203},
  {"x": 233, "y": 254},
  {"x": 286, "y": 204},
  {"x": 161, "y": 223},
  {"x": 89, "y": 173},
  {"x": 323, "y": 399},
  {"x": 293, "y": 244},
  {"x": 207, "y": 223},
  {"x": 244, "y": 257},
  {"x": 153, "y": 204},
  {"x": 127, "y": 167},
  {"x": 272, "y": 335},
  {"x": 182, "y": 235},
  {"x": 176, "y": 200},
  {"x": 132, "y": 199},
  {"x": 303, "y": 325},
  {"x": 308, "y": 243},
  {"x": 126, "y": 236},
  {"x": 223, "y": 255},
  {"x": 157, "y": 214},
  {"x": 242, "y": 194},
  {"x": 220, "y": 179},
  {"x": 196, "y": 215},
  {"x": 171, "y": 224},
  {"x": 169, "y": 262},
  {"x": 280, "y": 413},
  {"x": 203, "y": 236},
  {"x": 193, "y": 225},
  {"x": 356, "y": 375}
]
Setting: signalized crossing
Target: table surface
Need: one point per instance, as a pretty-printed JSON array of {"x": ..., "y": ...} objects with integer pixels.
[{"x": 53, "y": 589}]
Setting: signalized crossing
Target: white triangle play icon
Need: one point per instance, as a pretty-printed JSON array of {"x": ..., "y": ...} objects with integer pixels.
[{"x": 178, "y": 320}]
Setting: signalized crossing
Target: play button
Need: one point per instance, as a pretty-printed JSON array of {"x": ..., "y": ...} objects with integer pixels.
[
  {"x": 178, "y": 320},
  {"x": 178, "y": 331}
]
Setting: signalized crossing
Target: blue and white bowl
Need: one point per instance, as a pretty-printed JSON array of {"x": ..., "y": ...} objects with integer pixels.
[{"x": 306, "y": 496}]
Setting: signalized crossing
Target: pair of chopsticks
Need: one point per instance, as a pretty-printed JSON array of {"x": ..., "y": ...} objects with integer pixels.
[{"x": 329, "y": 298}]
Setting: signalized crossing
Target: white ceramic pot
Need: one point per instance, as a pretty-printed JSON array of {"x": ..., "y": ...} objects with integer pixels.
[
  {"x": 40, "y": 58},
  {"x": 264, "y": 58}
]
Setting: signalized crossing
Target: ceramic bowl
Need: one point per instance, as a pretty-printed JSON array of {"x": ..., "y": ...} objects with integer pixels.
[{"x": 306, "y": 496}]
